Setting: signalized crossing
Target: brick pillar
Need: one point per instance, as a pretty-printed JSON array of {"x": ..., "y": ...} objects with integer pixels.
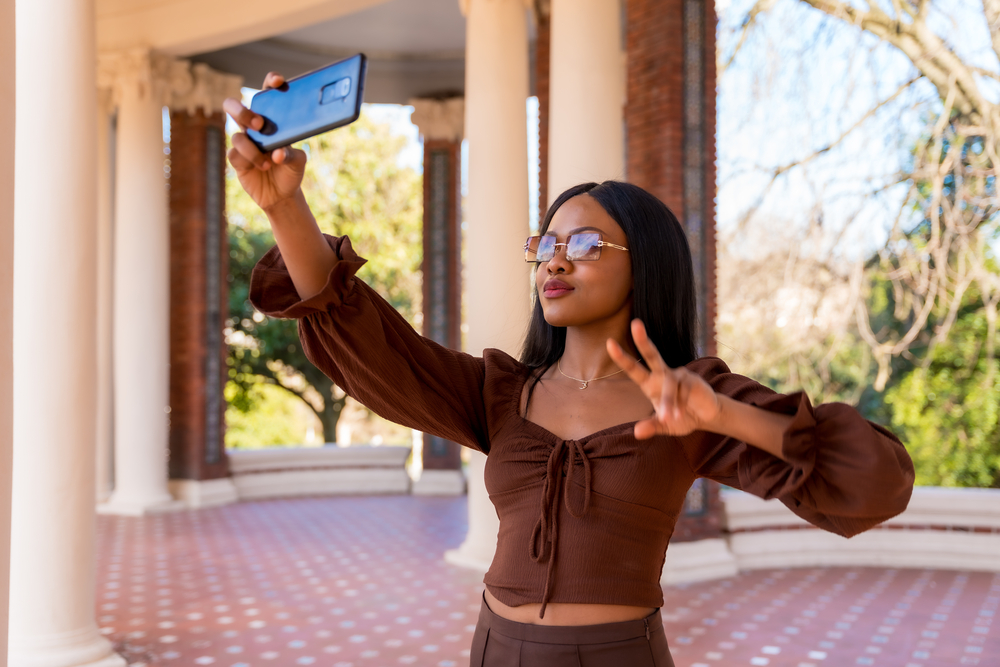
[
  {"x": 441, "y": 123},
  {"x": 542, "y": 53},
  {"x": 670, "y": 151},
  {"x": 198, "y": 296}
]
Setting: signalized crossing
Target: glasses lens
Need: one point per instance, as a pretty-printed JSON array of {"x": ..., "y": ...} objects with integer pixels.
[
  {"x": 546, "y": 248},
  {"x": 584, "y": 247},
  {"x": 531, "y": 248}
]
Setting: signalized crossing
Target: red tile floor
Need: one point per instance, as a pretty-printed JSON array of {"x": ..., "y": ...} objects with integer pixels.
[{"x": 360, "y": 582}]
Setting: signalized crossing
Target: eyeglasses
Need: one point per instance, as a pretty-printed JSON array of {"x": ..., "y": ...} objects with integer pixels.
[{"x": 579, "y": 247}]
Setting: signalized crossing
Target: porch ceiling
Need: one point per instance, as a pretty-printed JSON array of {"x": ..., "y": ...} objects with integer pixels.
[{"x": 415, "y": 48}]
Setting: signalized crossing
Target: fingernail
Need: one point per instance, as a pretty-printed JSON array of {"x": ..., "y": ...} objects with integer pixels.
[
  {"x": 257, "y": 123},
  {"x": 265, "y": 166}
]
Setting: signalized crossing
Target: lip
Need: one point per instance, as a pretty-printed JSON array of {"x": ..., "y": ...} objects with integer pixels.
[{"x": 554, "y": 288}]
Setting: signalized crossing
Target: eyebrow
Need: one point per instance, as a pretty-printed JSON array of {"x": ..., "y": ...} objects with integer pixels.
[{"x": 579, "y": 229}]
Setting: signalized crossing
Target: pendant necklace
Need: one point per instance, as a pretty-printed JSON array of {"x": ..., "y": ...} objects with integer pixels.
[{"x": 584, "y": 383}]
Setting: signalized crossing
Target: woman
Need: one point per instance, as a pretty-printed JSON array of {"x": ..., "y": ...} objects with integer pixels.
[{"x": 590, "y": 452}]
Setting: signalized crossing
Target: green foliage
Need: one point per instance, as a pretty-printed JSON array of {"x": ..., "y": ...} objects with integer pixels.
[
  {"x": 262, "y": 415},
  {"x": 354, "y": 186},
  {"x": 947, "y": 412}
]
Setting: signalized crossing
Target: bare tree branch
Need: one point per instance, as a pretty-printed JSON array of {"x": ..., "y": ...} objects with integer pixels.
[
  {"x": 749, "y": 22},
  {"x": 991, "y": 9},
  {"x": 926, "y": 51}
]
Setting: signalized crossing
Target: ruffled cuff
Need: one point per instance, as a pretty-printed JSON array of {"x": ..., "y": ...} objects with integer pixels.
[
  {"x": 768, "y": 476},
  {"x": 273, "y": 293}
]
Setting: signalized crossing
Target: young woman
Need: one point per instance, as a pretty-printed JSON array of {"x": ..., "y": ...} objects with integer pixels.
[{"x": 590, "y": 451}]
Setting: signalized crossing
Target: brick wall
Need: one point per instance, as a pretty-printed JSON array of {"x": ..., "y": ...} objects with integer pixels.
[
  {"x": 194, "y": 401},
  {"x": 442, "y": 288},
  {"x": 654, "y": 117},
  {"x": 655, "y": 137},
  {"x": 542, "y": 92}
]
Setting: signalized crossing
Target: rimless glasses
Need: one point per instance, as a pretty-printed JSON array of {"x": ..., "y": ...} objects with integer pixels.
[{"x": 579, "y": 247}]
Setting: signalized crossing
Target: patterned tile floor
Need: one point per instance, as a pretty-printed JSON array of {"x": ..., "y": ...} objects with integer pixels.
[{"x": 360, "y": 582}]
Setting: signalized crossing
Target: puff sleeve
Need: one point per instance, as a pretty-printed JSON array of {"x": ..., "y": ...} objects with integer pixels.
[
  {"x": 370, "y": 351},
  {"x": 843, "y": 473}
]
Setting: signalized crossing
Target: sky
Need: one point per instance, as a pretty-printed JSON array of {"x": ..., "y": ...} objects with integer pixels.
[{"x": 802, "y": 80}]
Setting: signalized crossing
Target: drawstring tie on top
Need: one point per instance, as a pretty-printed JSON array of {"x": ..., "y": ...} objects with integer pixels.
[{"x": 542, "y": 546}]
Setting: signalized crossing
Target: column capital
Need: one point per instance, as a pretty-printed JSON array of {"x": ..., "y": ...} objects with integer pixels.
[
  {"x": 439, "y": 119},
  {"x": 144, "y": 73},
  {"x": 208, "y": 89},
  {"x": 165, "y": 80},
  {"x": 463, "y": 5}
]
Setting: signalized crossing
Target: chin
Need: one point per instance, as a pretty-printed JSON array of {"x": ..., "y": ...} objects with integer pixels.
[{"x": 558, "y": 317}]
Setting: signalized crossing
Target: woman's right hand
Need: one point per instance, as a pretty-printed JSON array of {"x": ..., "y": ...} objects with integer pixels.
[{"x": 269, "y": 178}]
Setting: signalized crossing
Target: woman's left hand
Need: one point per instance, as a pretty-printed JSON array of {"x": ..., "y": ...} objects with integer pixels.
[{"x": 683, "y": 401}]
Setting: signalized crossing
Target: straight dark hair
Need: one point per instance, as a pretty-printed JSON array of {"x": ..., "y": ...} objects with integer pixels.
[{"x": 663, "y": 294}]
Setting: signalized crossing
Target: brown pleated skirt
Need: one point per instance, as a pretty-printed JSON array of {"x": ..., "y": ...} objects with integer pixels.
[{"x": 499, "y": 642}]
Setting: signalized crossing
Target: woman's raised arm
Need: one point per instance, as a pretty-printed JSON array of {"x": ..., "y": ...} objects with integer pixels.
[{"x": 274, "y": 182}]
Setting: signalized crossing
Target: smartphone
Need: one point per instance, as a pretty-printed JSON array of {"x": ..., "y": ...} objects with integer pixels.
[{"x": 310, "y": 104}]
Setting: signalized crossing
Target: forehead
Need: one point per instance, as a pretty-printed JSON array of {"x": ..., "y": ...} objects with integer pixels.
[{"x": 583, "y": 213}]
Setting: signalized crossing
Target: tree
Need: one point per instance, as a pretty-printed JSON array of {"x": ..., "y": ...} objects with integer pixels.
[
  {"x": 949, "y": 407},
  {"x": 925, "y": 306},
  {"x": 355, "y": 186}
]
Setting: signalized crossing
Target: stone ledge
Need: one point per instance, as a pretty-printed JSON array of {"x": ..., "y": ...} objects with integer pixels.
[
  {"x": 700, "y": 560},
  {"x": 319, "y": 471},
  {"x": 440, "y": 483},
  {"x": 299, "y": 458},
  {"x": 941, "y": 528},
  {"x": 197, "y": 494}
]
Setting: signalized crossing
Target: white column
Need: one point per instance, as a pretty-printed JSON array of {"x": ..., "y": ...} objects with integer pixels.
[
  {"x": 105, "y": 292},
  {"x": 7, "y": 92},
  {"x": 586, "y": 94},
  {"x": 141, "y": 82},
  {"x": 52, "y": 528},
  {"x": 496, "y": 91}
]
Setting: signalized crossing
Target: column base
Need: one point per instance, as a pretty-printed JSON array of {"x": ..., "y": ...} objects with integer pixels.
[
  {"x": 199, "y": 493},
  {"x": 468, "y": 559},
  {"x": 439, "y": 483},
  {"x": 700, "y": 560},
  {"x": 129, "y": 507},
  {"x": 72, "y": 650}
]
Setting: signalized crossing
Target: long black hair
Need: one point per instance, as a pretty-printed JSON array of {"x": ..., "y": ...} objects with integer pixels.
[{"x": 663, "y": 294}]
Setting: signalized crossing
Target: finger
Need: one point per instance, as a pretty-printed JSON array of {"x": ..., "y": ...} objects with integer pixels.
[
  {"x": 646, "y": 429},
  {"x": 273, "y": 80},
  {"x": 684, "y": 387},
  {"x": 239, "y": 162},
  {"x": 668, "y": 399},
  {"x": 243, "y": 116},
  {"x": 633, "y": 369},
  {"x": 249, "y": 150},
  {"x": 646, "y": 347},
  {"x": 289, "y": 156}
]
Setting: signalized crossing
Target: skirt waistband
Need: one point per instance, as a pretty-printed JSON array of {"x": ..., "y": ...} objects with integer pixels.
[{"x": 601, "y": 633}]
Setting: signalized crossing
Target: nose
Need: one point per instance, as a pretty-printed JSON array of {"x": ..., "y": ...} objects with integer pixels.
[{"x": 559, "y": 263}]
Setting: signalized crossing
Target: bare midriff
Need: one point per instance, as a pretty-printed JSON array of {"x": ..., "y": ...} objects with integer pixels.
[{"x": 560, "y": 613}]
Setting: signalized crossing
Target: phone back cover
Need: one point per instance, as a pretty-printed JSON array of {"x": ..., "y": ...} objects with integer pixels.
[{"x": 310, "y": 104}]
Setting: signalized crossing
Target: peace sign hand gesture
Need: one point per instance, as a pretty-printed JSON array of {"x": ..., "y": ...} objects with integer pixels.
[{"x": 683, "y": 401}]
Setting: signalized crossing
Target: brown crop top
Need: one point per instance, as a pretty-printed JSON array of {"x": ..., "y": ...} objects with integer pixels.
[{"x": 582, "y": 521}]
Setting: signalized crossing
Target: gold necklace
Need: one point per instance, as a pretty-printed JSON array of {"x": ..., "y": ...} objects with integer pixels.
[{"x": 584, "y": 383}]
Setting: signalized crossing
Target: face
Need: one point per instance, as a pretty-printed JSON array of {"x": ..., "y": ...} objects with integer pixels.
[{"x": 585, "y": 292}]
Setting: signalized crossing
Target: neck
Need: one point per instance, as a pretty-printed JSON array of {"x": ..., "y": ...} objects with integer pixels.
[{"x": 586, "y": 353}]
